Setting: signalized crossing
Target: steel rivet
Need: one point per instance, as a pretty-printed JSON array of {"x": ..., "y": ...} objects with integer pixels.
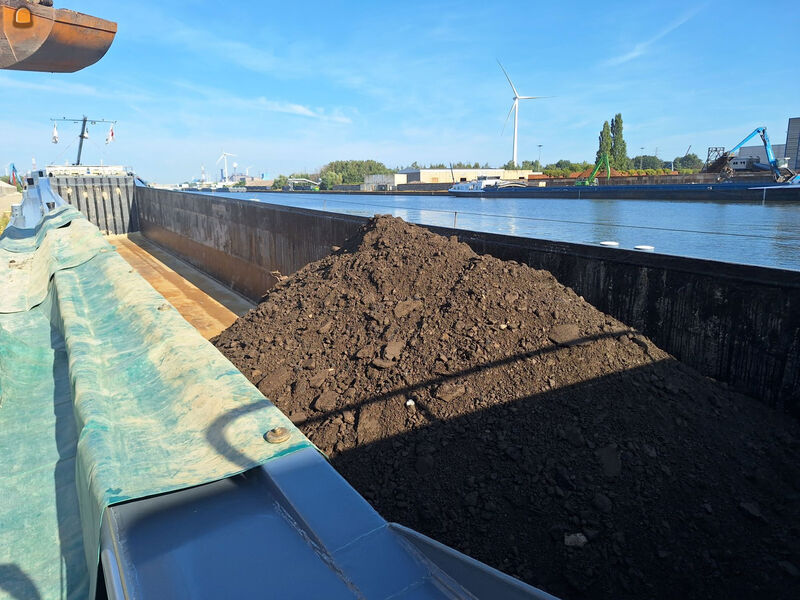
[{"x": 277, "y": 435}]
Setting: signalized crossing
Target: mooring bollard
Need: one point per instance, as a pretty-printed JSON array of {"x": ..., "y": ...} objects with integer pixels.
[{"x": 455, "y": 219}]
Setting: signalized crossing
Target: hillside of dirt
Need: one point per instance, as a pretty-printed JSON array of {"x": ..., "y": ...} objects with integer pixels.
[
  {"x": 601, "y": 174},
  {"x": 486, "y": 405}
]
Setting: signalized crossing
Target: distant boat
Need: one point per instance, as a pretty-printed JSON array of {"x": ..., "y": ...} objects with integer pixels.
[{"x": 479, "y": 186}]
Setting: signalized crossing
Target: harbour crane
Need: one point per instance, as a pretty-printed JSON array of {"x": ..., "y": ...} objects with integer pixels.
[
  {"x": 781, "y": 173},
  {"x": 592, "y": 179}
]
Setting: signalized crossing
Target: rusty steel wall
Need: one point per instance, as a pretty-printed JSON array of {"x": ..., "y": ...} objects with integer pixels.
[
  {"x": 239, "y": 242},
  {"x": 107, "y": 201},
  {"x": 736, "y": 323}
]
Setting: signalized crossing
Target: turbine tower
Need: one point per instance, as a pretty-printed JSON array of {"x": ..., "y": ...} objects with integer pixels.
[
  {"x": 515, "y": 110},
  {"x": 224, "y": 157}
]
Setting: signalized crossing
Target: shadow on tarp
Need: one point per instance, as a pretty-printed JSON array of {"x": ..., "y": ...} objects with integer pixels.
[
  {"x": 506, "y": 483},
  {"x": 15, "y": 583},
  {"x": 66, "y": 493},
  {"x": 216, "y": 436}
]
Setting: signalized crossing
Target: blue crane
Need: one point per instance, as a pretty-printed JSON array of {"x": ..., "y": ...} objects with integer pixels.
[{"x": 781, "y": 174}]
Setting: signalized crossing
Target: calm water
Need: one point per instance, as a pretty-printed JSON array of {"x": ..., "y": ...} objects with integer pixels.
[{"x": 751, "y": 233}]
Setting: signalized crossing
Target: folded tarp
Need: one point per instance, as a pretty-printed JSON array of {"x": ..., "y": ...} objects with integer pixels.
[
  {"x": 104, "y": 375},
  {"x": 65, "y": 239}
]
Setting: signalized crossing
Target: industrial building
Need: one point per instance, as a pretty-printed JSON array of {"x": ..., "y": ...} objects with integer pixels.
[
  {"x": 759, "y": 154},
  {"x": 457, "y": 175},
  {"x": 792, "y": 150},
  {"x": 383, "y": 182}
]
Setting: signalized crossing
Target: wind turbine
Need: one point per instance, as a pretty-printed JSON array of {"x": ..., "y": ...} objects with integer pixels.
[
  {"x": 224, "y": 156},
  {"x": 515, "y": 109}
]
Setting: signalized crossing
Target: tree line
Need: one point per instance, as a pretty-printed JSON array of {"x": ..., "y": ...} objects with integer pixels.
[
  {"x": 611, "y": 142},
  {"x": 338, "y": 172}
]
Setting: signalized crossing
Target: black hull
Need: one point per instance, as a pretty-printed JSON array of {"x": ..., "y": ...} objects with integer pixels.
[{"x": 696, "y": 192}]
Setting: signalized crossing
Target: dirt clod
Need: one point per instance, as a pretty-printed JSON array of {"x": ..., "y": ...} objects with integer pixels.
[{"x": 484, "y": 404}]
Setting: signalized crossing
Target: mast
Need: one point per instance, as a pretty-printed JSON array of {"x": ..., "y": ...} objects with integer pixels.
[
  {"x": 80, "y": 144},
  {"x": 84, "y": 122}
]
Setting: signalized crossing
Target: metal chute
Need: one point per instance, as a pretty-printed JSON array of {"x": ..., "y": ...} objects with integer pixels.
[{"x": 36, "y": 37}]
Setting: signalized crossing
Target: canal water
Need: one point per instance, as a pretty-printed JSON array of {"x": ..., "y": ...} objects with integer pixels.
[{"x": 766, "y": 234}]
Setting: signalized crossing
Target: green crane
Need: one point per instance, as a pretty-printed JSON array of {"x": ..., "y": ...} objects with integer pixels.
[{"x": 592, "y": 179}]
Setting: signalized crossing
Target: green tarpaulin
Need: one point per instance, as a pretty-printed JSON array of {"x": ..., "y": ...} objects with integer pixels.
[{"x": 106, "y": 395}]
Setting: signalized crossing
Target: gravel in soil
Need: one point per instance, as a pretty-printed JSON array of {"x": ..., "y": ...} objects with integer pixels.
[{"x": 484, "y": 404}]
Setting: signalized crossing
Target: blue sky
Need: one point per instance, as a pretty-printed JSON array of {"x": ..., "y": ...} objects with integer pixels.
[{"x": 290, "y": 86}]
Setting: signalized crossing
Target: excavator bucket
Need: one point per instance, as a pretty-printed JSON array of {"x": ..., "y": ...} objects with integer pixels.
[{"x": 35, "y": 37}]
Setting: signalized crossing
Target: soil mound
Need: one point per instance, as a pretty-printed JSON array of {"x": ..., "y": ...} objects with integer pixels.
[
  {"x": 481, "y": 402},
  {"x": 601, "y": 174}
]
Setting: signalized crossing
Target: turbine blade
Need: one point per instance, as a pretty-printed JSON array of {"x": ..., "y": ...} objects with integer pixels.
[
  {"x": 534, "y": 97},
  {"x": 516, "y": 94},
  {"x": 508, "y": 116}
]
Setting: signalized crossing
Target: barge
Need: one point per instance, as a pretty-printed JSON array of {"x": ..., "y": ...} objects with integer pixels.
[{"x": 727, "y": 191}]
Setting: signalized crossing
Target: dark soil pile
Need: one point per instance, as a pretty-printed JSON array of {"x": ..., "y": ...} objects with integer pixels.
[
  {"x": 601, "y": 174},
  {"x": 486, "y": 405}
]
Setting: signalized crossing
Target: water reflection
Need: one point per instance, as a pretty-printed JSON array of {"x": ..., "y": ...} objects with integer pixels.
[{"x": 741, "y": 232}]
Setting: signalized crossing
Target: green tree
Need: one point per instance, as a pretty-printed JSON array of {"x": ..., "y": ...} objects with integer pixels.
[
  {"x": 510, "y": 166},
  {"x": 647, "y": 161},
  {"x": 605, "y": 142},
  {"x": 354, "y": 171},
  {"x": 531, "y": 165},
  {"x": 567, "y": 166},
  {"x": 690, "y": 161},
  {"x": 309, "y": 176},
  {"x": 330, "y": 179},
  {"x": 280, "y": 181},
  {"x": 619, "y": 150}
]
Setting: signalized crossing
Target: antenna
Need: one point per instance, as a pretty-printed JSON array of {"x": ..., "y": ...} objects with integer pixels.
[{"x": 515, "y": 109}]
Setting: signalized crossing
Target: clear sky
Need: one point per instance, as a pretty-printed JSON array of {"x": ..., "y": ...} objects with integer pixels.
[{"x": 290, "y": 86}]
